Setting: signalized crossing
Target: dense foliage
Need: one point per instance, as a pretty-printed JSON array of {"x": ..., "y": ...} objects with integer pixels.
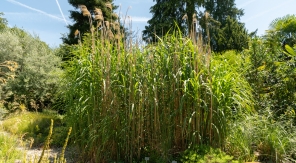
[
  {"x": 272, "y": 73},
  {"x": 219, "y": 22},
  {"x": 36, "y": 80},
  {"x": 166, "y": 14},
  {"x": 170, "y": 100},
  {"x": 124, "y": 104},
  {"x": 164, "y": 98},
  {"x": 282, "y": 31}
]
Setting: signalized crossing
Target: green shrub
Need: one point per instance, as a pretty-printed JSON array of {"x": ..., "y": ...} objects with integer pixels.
[
  {"x": 36, "y": 126},
  {"x": 202, "y": 154},
  {"x": 263, "y": 137},
  {"x": 37, "y": 77},
  {"x": 271, "y": 75}
]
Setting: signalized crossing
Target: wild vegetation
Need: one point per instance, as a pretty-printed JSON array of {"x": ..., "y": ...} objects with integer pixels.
[
  {"x": 34, "y": 71},
  {"x": 177, "y": 99}
]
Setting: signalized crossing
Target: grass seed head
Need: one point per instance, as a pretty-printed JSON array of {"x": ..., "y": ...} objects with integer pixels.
[
  {"x": 99, "y": 24},
  {"x": 113, "y": 25},
  {"x": 115, "y": 15},
  {"x": 194, "y": 15},
  {"x": 99, "y": 17},
  {"x": 86, "y": 13},
  {"x": 207, "y": 15},
  {"x": 116, "y": 26},
  {"x": 84, "y": 10},
  {"x": 185, "y": 17},
  {"x": 98, "y": 11},
  {"x": 76, "y": 33},
  {"x": 109, "y": 5},
  {"x": 194, "y": 20}
]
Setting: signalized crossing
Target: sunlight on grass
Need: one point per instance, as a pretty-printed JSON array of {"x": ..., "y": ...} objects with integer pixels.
[
  {"x": 14, "y": 147},
  {"x": 35, "y": 126},
  {"x": 8, "y": 147}
]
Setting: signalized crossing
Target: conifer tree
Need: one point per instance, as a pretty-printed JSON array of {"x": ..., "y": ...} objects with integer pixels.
[
  {"x": 221, "y": 14},
  {"x": 223, "y": 24},
  {"x": 81, "y": 22},
  {"x": 166, "y": 14},
  {"x": 233, "y": 36}
]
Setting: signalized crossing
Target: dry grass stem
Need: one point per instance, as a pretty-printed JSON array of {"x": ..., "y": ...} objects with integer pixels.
[{"x": 107, "y": 24}]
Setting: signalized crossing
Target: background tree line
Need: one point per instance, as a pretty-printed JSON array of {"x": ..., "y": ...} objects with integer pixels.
[
  {"x": 33, "y": 83},
  {"x": 219, "y": 17},
  {"x": 222, "y": 21}
]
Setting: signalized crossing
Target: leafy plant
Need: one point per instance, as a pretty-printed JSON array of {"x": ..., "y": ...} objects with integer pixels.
[
  {"x": 272, "y": 75},
  {"x": 282, "y": 30},
  {"x": 8, "y": 148},
  {"x": 202, "y": 154},
  {"x": 263, "y": 137},
  {"x": 36, "y": 79},
  {"x": 36, "y": 126}
]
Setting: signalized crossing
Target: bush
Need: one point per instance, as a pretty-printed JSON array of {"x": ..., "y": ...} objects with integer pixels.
[
  {"x": 37, "y": 76},
  {"x": 272, "y": 76},
  {"x": 202, "y": 154},
  {"x": 263, "y": 137}
]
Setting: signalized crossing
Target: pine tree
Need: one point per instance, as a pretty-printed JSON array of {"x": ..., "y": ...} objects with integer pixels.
[
  {"x": 223, "y": 13},
  {"x": 166, "y": 15},
  {"x": 233, "y": 36},
  {"x": 81, "y": 22}
]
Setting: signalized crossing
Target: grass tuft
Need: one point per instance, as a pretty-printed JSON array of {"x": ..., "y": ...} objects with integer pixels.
[{"x": 125, "y": 102}]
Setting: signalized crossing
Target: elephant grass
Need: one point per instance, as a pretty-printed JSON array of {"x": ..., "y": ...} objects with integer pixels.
[{"x": 126, "y": 102}]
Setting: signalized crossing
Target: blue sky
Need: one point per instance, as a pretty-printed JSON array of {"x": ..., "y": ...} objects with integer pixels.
[{"x": 45, "y": 18}]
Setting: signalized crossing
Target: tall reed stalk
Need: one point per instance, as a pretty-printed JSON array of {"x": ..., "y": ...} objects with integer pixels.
[{"x": 127, "y": 103}]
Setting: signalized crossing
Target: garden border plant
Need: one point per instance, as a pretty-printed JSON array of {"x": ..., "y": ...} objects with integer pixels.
[{"x": 125, "y": 102}]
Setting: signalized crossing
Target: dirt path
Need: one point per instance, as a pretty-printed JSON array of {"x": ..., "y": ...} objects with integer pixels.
[{"x": 33, "y": 154}]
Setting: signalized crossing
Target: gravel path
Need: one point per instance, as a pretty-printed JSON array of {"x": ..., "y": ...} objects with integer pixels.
[{"x": 33, "y": 154}]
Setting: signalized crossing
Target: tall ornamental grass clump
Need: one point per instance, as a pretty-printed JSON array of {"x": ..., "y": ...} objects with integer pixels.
[
  {"x": 126, "y": 102},
  {"x": 261, "y": 137}
]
